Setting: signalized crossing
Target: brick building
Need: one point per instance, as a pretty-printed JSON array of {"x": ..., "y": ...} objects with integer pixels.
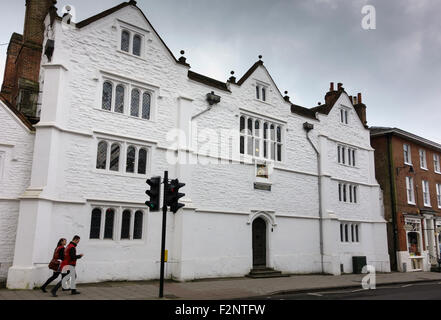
[
  {"x": 408, "y": 170},
  {"x": 21, "y": 78}
]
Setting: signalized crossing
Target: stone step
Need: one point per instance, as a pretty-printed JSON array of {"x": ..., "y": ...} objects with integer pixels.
[{"x": 265, "y": 273}]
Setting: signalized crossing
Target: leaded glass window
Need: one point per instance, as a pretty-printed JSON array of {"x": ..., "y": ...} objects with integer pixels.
[
  {"x": 125, "y": 41},
  {"x": 95, "y": 224},
  {"x": 146, "y": 100},
  {"x": 114, "y": 157},
  {"x": 137, "y": 45},
  {"x": 119, "y": 99},
  {"x": 125, "y": 224},
  {"x": 134, "y": 108},
  {"x": 107, "y": 96},
  {"x": 101, "y": 158},
  {"x": 137, "y": 229},
  {"x": 109, "y": 224},
  {"x": 142, "y": 161},
  {"x": 131, "y": 154}
]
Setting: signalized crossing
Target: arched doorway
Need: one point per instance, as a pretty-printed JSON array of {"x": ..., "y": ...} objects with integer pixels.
[{"x": 259, "y": 243}]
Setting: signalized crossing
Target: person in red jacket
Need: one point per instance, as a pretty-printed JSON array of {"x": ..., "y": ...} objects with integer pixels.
[
  {"x": 55, "y": 264},
  {"x": 68, "y": 267}
]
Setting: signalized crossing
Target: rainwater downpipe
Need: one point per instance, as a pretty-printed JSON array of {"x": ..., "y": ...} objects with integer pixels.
[{"x": 308, "y": 127}]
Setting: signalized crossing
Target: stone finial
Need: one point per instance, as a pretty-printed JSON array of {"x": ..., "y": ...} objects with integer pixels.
[{"x": 232, "y": 78}]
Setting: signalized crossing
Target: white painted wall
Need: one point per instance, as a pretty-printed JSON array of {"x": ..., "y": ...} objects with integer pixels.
[
  {"x": 211, "y": 237},
  {"x": 16, "y": 147}
]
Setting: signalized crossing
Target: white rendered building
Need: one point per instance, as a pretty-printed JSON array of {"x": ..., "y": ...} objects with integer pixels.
[{"x": 268, "y": 183}]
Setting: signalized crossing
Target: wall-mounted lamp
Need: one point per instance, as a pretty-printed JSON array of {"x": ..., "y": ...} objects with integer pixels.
[{"x": 213, "y": 98}]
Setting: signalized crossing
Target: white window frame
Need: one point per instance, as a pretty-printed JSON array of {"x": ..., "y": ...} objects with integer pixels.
[
  {"x": 438, "y": 194},
  {"x": 259, "y": 88},
  {"x": 133, "y": 31},
  {"x": 348, "y": 193},
  {"x": 346, "y": 155},
  {"x": 2, "y": 164},
  {"x": 410, "y": 190},
  {"x": 344, "y": 116},
  {"x": 271, "y": 144},
  {"x": 436, "y": 163},
  {"x": 124, "y": 145},
  {"x": 129, "y": 85},
  {"x": 423, "y": 159},
  {"x": 407, "y": 150},
  {"x": 117, "y": 222},
  {"x": 417, "y": 223},
  {"x": 426, "y": 193}
]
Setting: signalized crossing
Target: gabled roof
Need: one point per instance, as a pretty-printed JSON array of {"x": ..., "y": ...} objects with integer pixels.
[
  {"x": 110, "y": 11},
  {"x": 18, "y": 114},
  {"x": 382, "y": 131},
  {"x": 249, "y": 72}
]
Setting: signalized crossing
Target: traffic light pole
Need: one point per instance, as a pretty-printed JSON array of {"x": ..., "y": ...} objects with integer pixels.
[{"x": 164, "y": 226}]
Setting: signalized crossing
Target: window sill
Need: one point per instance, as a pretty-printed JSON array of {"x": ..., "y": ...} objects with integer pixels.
[
  {"x": 132, "y": 55},
  {"x": 411, "y": 203},
  {"x": 125, "y": 115},
  {"x": 437, "y": 172},
  {"x": 265, "y": 102},
  {"x": 408, "y": 163},
  {"x": 348, "y": 166},
  {"x": 425, "y": 169},
  {"x": 119, "y": 174}
]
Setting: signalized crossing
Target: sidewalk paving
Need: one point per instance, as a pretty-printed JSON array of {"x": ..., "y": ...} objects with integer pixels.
[{"x": 217, "y": 289}]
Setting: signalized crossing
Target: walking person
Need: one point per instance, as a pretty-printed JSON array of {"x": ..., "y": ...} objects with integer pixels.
[
  {"x": 55, "y": 263},
  {"x": 68, "y": 267}
]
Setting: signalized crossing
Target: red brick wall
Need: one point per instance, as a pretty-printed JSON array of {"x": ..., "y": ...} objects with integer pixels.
[
  {"x": 399, "y": 173},
  {"x": 10, "y": 75}
]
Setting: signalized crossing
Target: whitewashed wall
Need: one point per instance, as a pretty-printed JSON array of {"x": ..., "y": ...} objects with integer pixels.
[
  {"x": 16, "y": 147},
  {"x": 212, "y": 236}
]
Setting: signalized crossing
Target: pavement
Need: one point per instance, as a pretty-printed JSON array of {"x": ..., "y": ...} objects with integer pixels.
[{"x": 219, "y": 289}]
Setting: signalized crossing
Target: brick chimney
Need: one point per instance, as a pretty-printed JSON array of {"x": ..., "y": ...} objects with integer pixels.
[
  {"x": 21, "y": 80},
  {"x": 360, "y": 108},
  {"x": 331, "y": 94}
]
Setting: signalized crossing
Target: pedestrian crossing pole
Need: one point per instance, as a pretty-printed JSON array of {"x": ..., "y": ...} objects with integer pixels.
[{"x": 164, "y": 225}]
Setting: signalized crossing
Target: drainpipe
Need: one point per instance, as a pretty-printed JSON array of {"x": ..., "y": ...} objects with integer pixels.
[
  {"x": 393, "y": 200},
  {"x": 308, "y": 127}
]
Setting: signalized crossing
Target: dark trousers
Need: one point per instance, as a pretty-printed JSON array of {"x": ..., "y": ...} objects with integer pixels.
[{"x": 52, "y": 278}]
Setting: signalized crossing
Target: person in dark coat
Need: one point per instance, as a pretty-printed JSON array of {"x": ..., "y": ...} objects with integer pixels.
[
  {"x": 68, "y": 267},
  {"x": 55, "y": 264}
]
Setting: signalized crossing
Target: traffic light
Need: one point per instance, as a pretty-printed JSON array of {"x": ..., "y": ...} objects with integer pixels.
[
  {"x": 173, "y": 195},
  {"x": 154, "y": 193}
]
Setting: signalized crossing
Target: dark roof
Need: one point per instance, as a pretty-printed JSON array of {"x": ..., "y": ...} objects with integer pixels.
[
  {"x": 104, "y": 14},
  {"x": 19, "y": 115},
  {"x": 303, "y": 111},
  {"x": 381, "y": 131},
  {"x": 249, "y": 72},
  {"x": 108, "y": 12},
  {"x": 208, "y": 81}
]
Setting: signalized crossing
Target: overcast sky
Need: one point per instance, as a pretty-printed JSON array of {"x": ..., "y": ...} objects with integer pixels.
[{"x": 305, "y": 45}]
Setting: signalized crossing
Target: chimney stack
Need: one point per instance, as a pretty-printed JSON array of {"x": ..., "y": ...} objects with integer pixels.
[
  {"x": 331, "y": 87},
  {"x": 360, "y": 108}
]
